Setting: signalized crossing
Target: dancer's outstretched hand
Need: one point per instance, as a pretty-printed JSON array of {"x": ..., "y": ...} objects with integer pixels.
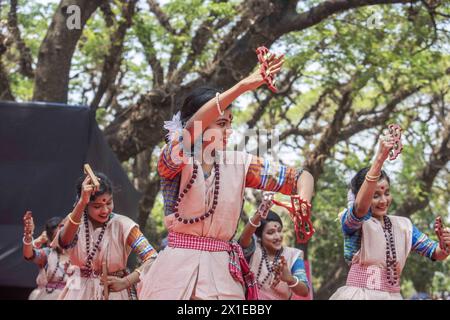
[
  {"x": 266, "y": 204},
  {"x": 28, "y": 225},
  {"x": 255, "y": 80},
  {"x": 385, "y": 145}
]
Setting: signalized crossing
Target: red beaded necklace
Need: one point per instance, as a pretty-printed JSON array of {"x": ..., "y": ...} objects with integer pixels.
[{"x": 210, "y": 212}]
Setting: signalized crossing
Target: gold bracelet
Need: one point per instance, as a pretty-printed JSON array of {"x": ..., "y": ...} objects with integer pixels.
[
  {"x": 372, "y": 178},
  {"x": 138, "y": 271},
  {"x": 73, "y": 222}
]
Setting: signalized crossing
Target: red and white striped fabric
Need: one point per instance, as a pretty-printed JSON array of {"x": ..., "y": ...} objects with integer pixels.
[
  {"x": 370, "y": 277},
  {"x": 189, "y": 241},
  {"x": 238, "y": 266}
]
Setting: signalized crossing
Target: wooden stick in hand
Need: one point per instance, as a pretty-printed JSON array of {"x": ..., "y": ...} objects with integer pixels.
[
  {"x": 105, "y": 280},
  {"x": 90, "y": 173}
]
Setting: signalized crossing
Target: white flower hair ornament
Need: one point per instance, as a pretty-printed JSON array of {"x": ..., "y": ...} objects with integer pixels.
[{"x": 174, "y": 126}]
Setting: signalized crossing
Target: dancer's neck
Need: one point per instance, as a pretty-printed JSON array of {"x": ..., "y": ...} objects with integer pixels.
[
  {"x": 95, "y": 223},
  {"x": 271, "y": 254}
]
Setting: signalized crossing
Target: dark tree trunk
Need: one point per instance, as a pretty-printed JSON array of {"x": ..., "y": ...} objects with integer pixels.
[
  {"x": 56, "y": 51},
  {"x": 5, "y": 89}
]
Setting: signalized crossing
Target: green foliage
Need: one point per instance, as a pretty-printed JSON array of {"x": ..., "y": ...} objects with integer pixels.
[{"x": 326, "y": 247}]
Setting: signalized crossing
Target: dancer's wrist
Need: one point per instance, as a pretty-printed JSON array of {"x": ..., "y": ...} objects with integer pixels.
[
  {"x": 376, "y": 168},
  {"x": 28, "y": 241},
  {"x": 379, "y": 160},
  {"x": 128, "y": 282},
  {"x": 248, "y": 84},
  {"x": 292, "y": 282},
  {"x": 255, "y": 221}
]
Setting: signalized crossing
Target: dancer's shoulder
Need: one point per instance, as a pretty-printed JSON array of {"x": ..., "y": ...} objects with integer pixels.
[
  {"x": 295, "y": 253},
  {"x": 121, "y": 219}
]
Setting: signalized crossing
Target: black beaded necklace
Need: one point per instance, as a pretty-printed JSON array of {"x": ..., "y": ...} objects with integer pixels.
[
  {"x": 211, "y": 211},
  {"x": 391, "y": 254},
  {"x": 91, "y": 254},
  {"x": 265, "y": 259}
]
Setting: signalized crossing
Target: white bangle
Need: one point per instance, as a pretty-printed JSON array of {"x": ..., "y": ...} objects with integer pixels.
[
  {"x": 254, "y": 225},
  {"x": 218, "y": 104},
  {"x": 138, "y": 271},
  {"x": 295, "y": 284},
  {"x": 27, "y": 243}
]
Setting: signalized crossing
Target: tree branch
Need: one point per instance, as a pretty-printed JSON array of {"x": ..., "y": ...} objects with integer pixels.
[
  {"x": 5, "y": 89},
  {"x": 113, "y": 59},
  {"x": 198, "y": 43},
  {"x": 108, "y": 15},
  {"x": 57, "y": 48},
  {"x": 438, "y": 159},
  {"x": 328, "y": 8},
  {"x": 25, "y": 60},
  {"x": 128, "y": 133},
  {"x": 316, "y": 158},
  {"x": 161, "y": 16},
  {"x": 177, "y": 51},
  {"x": 150, "y": 53},
  {"x": 364, "y": 124}
]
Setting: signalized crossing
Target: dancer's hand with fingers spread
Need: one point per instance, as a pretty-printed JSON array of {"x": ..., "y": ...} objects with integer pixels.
[
  {"x": 385, "y": 145},
  {"x": 281, "y": 272},
  {"x": 255, "y": 80}
]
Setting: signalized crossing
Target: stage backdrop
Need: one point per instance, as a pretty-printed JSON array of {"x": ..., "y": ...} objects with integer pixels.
[{"x": 43, "y": 148}]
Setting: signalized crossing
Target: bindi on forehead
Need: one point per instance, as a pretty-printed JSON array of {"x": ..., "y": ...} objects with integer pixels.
[{"x": 102, "y": 201}]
